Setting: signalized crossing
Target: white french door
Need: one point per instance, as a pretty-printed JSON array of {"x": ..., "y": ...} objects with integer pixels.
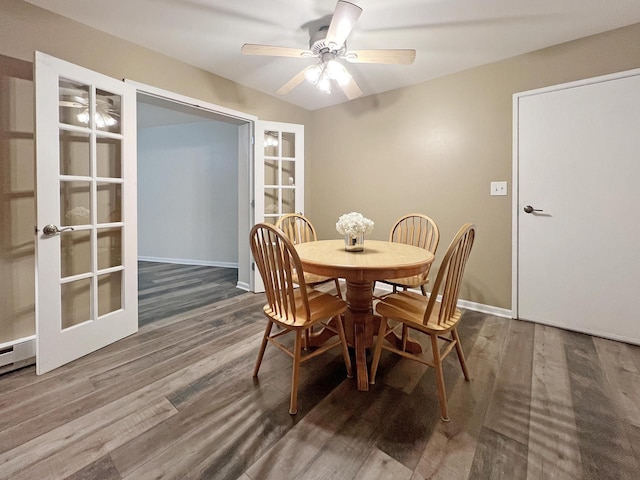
[
  {"x": 278, "y": 174},
  {"x": 86, "y": 252}
]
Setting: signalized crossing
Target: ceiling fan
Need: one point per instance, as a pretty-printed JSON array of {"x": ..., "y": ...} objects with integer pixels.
[{"x": 329, "y": 45}]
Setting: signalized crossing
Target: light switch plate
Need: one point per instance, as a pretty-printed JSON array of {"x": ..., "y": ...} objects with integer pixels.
[{"x": 498, "y": 188}]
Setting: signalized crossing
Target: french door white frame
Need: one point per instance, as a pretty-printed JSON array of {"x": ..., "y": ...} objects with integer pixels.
[
  {"x": 56, "y": 342},
  {"x": 245, "y": 169}
]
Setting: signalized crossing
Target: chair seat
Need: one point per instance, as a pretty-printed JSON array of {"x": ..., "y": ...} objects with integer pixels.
[
  {"x": 322, "y": 306},
  {"x": 312, "y": 279},
  {"x": 409, "y": 282},
  {"x": 410, "y": 308}
]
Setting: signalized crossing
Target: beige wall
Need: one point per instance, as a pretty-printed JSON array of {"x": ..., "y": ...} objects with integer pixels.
[{"x": 435, "y": 147}]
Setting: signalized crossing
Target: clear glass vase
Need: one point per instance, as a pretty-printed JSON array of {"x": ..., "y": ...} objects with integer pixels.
[{"x": 354, "y": 244}]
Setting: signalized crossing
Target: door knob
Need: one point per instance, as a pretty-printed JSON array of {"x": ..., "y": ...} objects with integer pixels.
[
  {"x": 530, "y": 209},
  {"x": 53, "y": 229}
]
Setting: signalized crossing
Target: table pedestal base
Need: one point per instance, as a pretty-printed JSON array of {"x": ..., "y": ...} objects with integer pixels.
[{"x": 361, "y": 325}]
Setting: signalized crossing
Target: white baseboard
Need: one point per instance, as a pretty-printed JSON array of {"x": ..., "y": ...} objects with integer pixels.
[
  {"x": 482, "y": 308},
  {"x": 186, "y": 261},
  {"x": 466, "y": 304},
  {"x": 17, "y": 353},
  {"x": 243, "y": 286}
]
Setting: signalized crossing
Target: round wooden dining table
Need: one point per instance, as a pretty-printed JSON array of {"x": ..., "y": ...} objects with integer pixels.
[{"x": 379, "y": 260}]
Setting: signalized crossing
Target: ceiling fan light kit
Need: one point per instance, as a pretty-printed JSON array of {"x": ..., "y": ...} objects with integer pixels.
[
  {"x": 329, "y": 44},
  {"x": 328, "y": 69}
]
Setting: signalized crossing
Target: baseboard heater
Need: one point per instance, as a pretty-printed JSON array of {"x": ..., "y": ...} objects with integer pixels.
[{"x": 17, "y": 355}]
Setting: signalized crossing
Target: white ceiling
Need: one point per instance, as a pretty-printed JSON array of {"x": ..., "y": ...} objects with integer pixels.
[{"x": 448, "y": 35}]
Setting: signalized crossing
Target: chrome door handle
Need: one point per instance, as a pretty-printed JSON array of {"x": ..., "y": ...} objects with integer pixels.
[
  {"x": 51, "y": 229},
  {"x": 530, "y": 209}
]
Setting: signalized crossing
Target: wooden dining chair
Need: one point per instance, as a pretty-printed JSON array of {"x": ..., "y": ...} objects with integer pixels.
[
  {"x": 437, "y": 319},
  {"x": 299, "y": 229},
  {"x": 295, "y": 310},
  {"x": 420, "y": 231}
]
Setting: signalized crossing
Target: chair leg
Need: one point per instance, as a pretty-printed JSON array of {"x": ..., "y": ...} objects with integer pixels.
[
  {"x": 307, "y": 335},
  {"x": 405, "y": 336},
  {"x": 437, "y": 363},
  {"x": 463, "y": 362},
  {"x": 376, "y": 355},
  {"x": 297, "y": 354},
  {"x": 267, "y": 332},
  {"x": 337, "y": 282},
  {"x": 345, "y": 350},
  {"x": 423, "y": 289}
]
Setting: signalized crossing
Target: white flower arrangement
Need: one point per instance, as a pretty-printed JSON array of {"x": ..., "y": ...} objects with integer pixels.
[{"x": 354, "y": 224}]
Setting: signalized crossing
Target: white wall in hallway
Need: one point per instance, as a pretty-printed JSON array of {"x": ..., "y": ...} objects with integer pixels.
[{"x": 188, "y": 193}]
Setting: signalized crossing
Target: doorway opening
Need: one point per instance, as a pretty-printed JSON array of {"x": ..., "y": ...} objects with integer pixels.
[{"x": 193, "y": 206}]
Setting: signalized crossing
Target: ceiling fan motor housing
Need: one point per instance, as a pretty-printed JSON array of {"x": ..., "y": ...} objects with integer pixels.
[{"x": 318, "y": 44}]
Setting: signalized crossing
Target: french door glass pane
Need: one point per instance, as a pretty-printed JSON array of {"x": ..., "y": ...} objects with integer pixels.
[
  {"x": 271, "y": 172},
  {"x": 74, "y": 154},
  {"x": 288, "y": 145},
  {"x": 109, "y": 157},
  {"x": 109, "y": 247},
  {"x": 288, "y": 173},
  {"x": 288, "y": 200},
  {"x": 73, "y": 103},
  {"x": 271, "y": 143},
  {"x": 75, "y": 203},
  {"x": 271, "y": 201},
  {"x": 108, "y": 109},
  {"x": 109, "y": 293},
  {"x": 75, "y": 253},
  {"x": 76, "y": 302},
  {"x": 109, "y": 202}
]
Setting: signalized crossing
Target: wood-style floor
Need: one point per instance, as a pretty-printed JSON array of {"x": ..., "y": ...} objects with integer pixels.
[
  {"x": 166, "y": 289},
  {"x": 177, "y": 401}
]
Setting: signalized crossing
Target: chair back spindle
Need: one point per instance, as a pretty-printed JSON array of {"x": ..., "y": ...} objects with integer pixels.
[
  {"x": 417, "y": 230},
  {"x": 297, "y": 228}
]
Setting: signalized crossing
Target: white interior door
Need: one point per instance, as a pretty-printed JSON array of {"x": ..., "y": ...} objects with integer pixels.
[
  {"x": 278, "y": 175},
  {"x": 86, "y": 253},
  {"x": 577, "y": 152}
]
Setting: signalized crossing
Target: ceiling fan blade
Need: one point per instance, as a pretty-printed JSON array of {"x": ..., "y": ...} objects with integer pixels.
[
  {"x": 294, "y": 82},
  {"x": 390, "y": 56},
  {"x": 351, "y": 89},
  {"x": 343, "y": 21},
  {"x": 272, "y": 51}
]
